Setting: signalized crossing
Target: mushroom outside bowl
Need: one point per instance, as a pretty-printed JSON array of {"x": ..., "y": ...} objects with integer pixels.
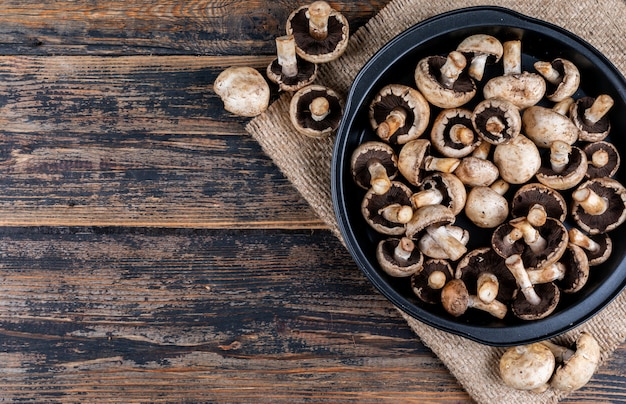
[{"x": 395, "y": 63}]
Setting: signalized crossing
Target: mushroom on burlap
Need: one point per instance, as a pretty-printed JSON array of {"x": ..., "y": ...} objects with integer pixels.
[
  {"x": 289, "y": 71},
  {"x": 315, "y": 111}
]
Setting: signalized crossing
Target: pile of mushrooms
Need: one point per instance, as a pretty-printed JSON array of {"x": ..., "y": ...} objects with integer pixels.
[
  {"x": 315, "y": 34},
  {"x": 477, "y": 144}
]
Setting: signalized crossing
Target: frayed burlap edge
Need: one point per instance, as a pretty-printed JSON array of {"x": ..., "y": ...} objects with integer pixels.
[{"x": 306, "y": 163}]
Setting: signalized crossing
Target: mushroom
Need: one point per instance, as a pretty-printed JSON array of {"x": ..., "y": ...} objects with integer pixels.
[
  {"x": 477, "y": 170},
  {"x": 523, "y": 89},
  {"x": 399, "y": 113},
  {"x": 480, "y": 49},
  {"x": 535, "y": 301},
  {"x": 545, "y": 125},
  {"x": 536, "y": 193},
  {"x": 487, "y": 207},
  {"x": 289, "y": 71},
  {"x": 433, "y": 220},
  {"x": 496, "y": 121},
  {"x": 378, "y": 210},
  {"x": 590, "y": 115},
  {"x": 518, "y": 160},
  {"x": 321, "y": 33},
  {"x": 431, "y": 248},
  {"x": 414, "y": 160},
  {"x": 373, "y": 165},
  {"x": 599, "y": 205},
  {"x": 443, "y": 81},
  {"x": 562, "y": 76},
  {"x": 598, "y": 247},
  {"x": 441, "y": 188},
  {"x": 604, "y": 159},
  {"x": 527, "y": 367},
  {"x": 564, "y": 167},
  {"x": 243, "y": 91},
  {"x": 574, "y": 367},
  {"x": 576, "y": 269},
  {"x": 398, "y": 257},
  {"x": 486, "y": 276},
  {"x": 452, "y": 133},
  {"x": 456, "y": 300},
  {"x": 315, "y": 111},
  {"x": 427, "y": 283}
]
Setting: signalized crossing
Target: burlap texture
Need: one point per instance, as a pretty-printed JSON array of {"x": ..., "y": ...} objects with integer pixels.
[{"x": 306, "y": 163}]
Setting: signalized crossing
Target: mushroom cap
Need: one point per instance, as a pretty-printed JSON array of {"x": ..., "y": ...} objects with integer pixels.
[
  {"x": 503, "y": 111},
  {"x": 569, "y": 82},
  {"x": 485, "y": 260},
  {"x": 441, "y": 135},
  {"x": 368, "y": 152},
  {"x": 243, "y": 90},
  {"x": 411, "y": 159},
  {"x": 589, "y": 132},
  {"x": 430, "y": 248},
  {"x": 307, "y": 73},
  {"x": 518, "y": 160},
  {"x": 421, "y": 283},
  {"x": 372, "y": 203},
  {"x": 486, "y": 208},
  {"x": 523, "y": 90},
  {"x": 386, "y": 257},
  {"x": 535, "y": 193},
  {"x": 475, "y": 171},
  {"x": 550, "y": 296},
  {"x": 609, "y": 167},
  {"x": 480, "y": 45},
  {"x": 427, "y": 75},
  {"x": 429, "y": 215},
  {"x": 455, "y": 297},
  {"x": 544, "y": 125},
  {"x": 301, "y": 117},
  {"x": 577, "y": 370},
  {"x": 411, "y": 101},
  {"x": 614, "y": 193},
  {"x": 318, "y": 50},
  {"x": 527, "y": 367},
  {"x": 571, "y": 176},
  {"x": 576, "y": 269},
  {"x": 452, "y": 189}
]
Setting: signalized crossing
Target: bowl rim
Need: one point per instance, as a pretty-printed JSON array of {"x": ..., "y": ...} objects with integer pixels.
[{"x": 366, "y": 80}]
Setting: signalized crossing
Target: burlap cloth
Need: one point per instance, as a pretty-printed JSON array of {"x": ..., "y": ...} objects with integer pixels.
[{"x": 306, "y": 163}]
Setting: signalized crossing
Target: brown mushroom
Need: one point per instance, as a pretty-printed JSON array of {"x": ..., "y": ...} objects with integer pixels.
[
  {"x": 496, "y": 121},
  {"x": 433, "y": 220},
  {"x": 562, "y": 76},
  {"x": 289, "y": 71},
  {"x": 590, "y": 115},
  {"x": 243, "y": 91},
  {"x": 574, "y": 367},
  {"x": 399, "y": 257},
  {"x": 375, "y": 208},
  {"x": 604, "y": 159},
  {"x": 545, "y": 125},
  {"x": 456, "y": 300},
  {"x": 518, "y": 160},
  {"x": 427, "y": 283},
  {"x": 316, "y": 111},
  {"x": 536, "y": 193},
  {"x": 486, "y": 276},
  {"x": 576, "y": 266},
  {"x": 598, "y": 247},
  {"x": 480, "y": 49},
  {"x": 523, "y": 89},
  {"x": 321, "y": 33},
  {"x": 527, "y": 367},
  {"x": 399, "y": 113},
  {"x": 415, "y": 161},
  {"x": 441, "y": 188},
  {"x": 373, "y": 165},
  {"x": 599, "y": 205},
  {"x": 564, "y": 167},
  {"x": 452, "y": 133},
  {"x": 443, "y": 81},
  {"x": 487, "y": 207}
]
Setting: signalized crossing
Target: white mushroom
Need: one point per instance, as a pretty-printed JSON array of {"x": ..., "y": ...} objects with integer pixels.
[{"x": 243, "y": 90}]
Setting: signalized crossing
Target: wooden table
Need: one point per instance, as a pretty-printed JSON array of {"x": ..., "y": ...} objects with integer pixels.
[{"x": 151, "y": 252}]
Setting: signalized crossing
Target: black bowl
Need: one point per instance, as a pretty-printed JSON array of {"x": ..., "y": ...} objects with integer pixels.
[{"x": 395, "y": 63}]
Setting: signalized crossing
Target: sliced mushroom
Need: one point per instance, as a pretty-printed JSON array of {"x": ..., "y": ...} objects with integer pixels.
[
  {"x": 564, "y": 167},
  {"x": 562, "y": 76},
  {"x": 441, "y": 188},
  {"x": 544, "y": 126},
  {"x": 527, "y": 367},
  {"x": 486, "y": 275},
  {"x": 374, "y": 207},
  {"x": 480, "y": 49},
  {"x": 433, "y": 220},
  {"x": 321, "y": 33},
  {"x": 456, "y": 300},
  {"x": 604, "y": 159},
  {"x": 535, "y": 193},
  {"x": 523, "y": 89},
  {"x": 399, "y": 113},
  {"x": 443, "y": 81},
  {"x": 374, "y": 164},
  {"x": 518, "y": 160},
  {"x": 289, "y": 71},
  {"x": 243, "y": 91},
  {"x": 598, "y": 247},
  {"x": 399, "y": 257},
  {"x": 487, "y": 207},
  {"x": 452, "y": 133},
  {"x": 427, "y": 283},
  {"x": 316, "y": 111},
  {"x": 496, "y": 121},
  {"x": 415, "y": 161},
  {"x": 575, "y": 367},
  {"x": 590, "y": 115},
  {"x": 599, "y": 205}
]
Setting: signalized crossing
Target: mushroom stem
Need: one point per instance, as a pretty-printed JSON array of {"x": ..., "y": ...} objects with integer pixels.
[
  {"x": 450, "y": 244},
  {"x": 561, "y": 353},
  {"x": 514, "y": 235},
  {"x": 394, "y": 121},
  {"x": 550, "y": 273},
  {"x": 482, "y": 150},
  {"x": 548, "y": 72},
  {"x": 286, "y": 52},
  {"x": 531, "y": 236},
  {"x": 494, "y": 125},
  {"x": 580, "y": 239},
  {"x": 404, "y": 249},
  {"x": 460, "y": 133},
  {"x": 600, "y": 107},
  {"x": 318, "y": 14},
  {"x": 456, "y": 300},
  {"x": 512, "y": 57},
  {"x": 559, "y": 155},
  {"x": 487, "y": 286},
  {"x": 441, "y": 164},
  {"x": 477, "y": 66},
  {"x": 537, "y": 215},
  {"x": 452, "y": 68},
  {"x": 396, "y": 213},
  {"x": 437, "y": 280},
  {"x": 320, "y": 108},
  {"x": 599, "y": 158},
  {"x": 563, "y": 106},
  {"x": 500, "y": 186},
  {"x": 426, "y": 197},
  {"x": 379, "y": 180},
  {"x": 591, "y": 202},
  {"x": 516, "y": 266}
]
